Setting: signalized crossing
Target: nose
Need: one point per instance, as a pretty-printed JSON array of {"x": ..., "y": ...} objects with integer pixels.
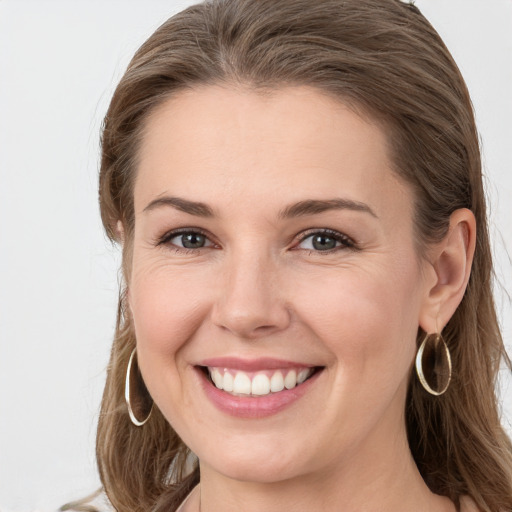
[{"x": 250, "y": 302}]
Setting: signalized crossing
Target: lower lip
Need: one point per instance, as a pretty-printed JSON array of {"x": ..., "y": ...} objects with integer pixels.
[{"x": 254, "y": 406}]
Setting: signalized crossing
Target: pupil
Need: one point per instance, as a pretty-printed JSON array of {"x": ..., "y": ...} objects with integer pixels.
[
  {"x": 192, "y": 240},
  {"x": 323, "y": 242}
]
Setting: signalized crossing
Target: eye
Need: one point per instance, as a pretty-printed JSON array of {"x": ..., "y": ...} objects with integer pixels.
[
  {"x": 187, "y": 240},
  {"x": 190, "y": 240},
  {"x": 325, "y": 241}
]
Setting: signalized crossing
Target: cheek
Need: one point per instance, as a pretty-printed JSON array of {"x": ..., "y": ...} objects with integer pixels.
[
  {"x": 367, "y": 318},
  {"x": 167, "y": 306}
]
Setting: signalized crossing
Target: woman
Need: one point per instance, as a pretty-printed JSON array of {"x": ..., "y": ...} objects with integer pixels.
[{"x": 297, "y": 189}]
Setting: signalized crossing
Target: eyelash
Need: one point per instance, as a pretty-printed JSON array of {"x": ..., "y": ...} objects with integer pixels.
[
  {"x": 167, "y": 237},
  {"x": 345, "y": 241}
]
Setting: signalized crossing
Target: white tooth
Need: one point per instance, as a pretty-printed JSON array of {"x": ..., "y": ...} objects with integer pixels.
[
  {"x": 290, "y": 381},
  {"x": 303, "y": 375},
  {"x": 228, "y": 381},
  {"x": 217, "y": 378},
  {"x": 260, "y": 385},
  {"x": 242, "y": 384},
  {"x": 277, "y": 382}
]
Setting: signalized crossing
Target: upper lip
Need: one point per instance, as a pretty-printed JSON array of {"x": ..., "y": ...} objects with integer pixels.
[{"x": 252, "y": 365}]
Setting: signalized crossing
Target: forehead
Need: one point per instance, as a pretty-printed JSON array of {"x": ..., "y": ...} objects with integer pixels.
[{"x": 236, "y": 145}]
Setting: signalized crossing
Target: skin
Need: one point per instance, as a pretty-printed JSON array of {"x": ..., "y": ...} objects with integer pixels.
[{"x": 259, "y": 288}]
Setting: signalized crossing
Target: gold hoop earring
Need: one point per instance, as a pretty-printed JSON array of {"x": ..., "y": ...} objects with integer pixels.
[
  {"x": 434, "y": 364},
  {"x": 141, "y": 404}
]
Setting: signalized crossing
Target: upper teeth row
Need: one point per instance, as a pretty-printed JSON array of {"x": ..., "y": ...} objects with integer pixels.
[{"x": 239, "y": 382}]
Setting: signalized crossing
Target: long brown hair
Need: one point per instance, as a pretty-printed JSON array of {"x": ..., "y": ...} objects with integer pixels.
[{"x": 383, "y": 58}]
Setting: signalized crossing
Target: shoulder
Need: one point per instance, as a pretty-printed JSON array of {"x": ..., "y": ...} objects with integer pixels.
[{"x": 468, "y": 505}]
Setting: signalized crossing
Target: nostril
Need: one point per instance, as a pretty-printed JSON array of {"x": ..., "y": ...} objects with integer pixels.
[{"x": 250, "y": 329}]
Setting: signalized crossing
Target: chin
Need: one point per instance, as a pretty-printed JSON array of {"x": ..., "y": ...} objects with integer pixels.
[{"x": 267, "y": 464}]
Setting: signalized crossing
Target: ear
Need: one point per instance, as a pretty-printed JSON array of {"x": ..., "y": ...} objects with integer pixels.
[{"x": 450, "y": 264}]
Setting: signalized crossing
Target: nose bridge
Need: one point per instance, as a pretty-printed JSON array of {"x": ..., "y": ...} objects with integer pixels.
[{"x": 250, "y": 301}]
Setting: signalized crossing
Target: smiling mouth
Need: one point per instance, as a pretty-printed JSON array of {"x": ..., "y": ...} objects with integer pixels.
[{"x": 257, "y": 384}]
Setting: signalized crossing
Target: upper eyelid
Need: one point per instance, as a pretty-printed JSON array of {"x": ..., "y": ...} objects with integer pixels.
[
  {"x": 169, "y": 235},
  {"x": 326, "y": 231}
]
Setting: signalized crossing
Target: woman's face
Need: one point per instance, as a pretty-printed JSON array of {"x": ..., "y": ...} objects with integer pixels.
[{"x": 272, "y": 244}]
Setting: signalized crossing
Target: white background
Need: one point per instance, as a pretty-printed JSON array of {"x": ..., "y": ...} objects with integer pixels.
[{"x": 59, "y": 63}]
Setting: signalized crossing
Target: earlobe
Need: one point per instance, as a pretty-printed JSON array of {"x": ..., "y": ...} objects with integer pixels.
[{"x": 451, "y": 262}]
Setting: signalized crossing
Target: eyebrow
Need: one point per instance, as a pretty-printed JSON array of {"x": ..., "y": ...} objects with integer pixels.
[
  {"x": 314, "y": 206},
  {"x": 184, "y": 205},
  {"x": 300, "y": 209}
]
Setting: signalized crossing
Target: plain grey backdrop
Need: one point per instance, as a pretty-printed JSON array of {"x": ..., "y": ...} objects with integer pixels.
[{"x": 59, "y": 63}]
